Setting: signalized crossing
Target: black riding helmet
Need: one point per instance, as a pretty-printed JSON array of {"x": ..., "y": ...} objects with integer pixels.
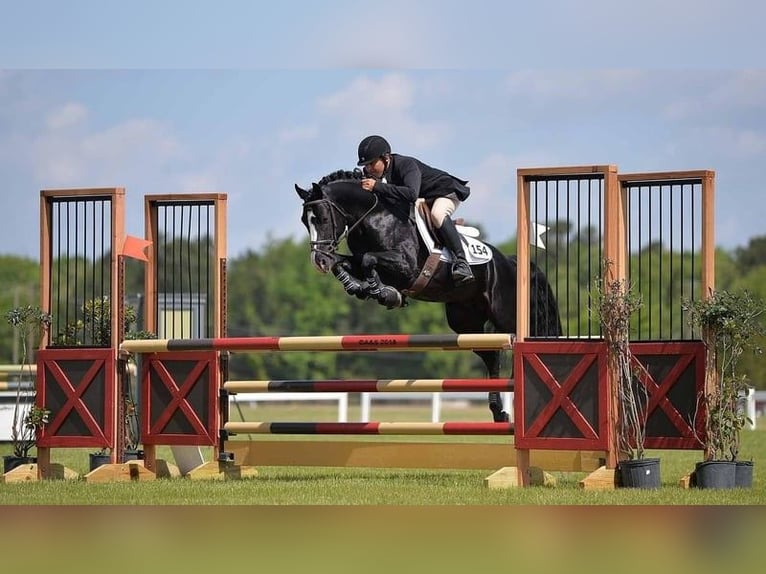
[{"x": 371, "y": 148}]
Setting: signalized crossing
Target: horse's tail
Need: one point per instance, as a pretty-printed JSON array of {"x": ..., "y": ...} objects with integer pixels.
[{"x": 544, "y": 319}]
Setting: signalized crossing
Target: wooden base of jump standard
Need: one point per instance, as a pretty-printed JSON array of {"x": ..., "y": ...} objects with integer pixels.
[
  {"x": 30, "y": 472},
  {"x": 221, "y": 471},
  {"x": 602, "y": 478},
  {"x": 508, "y": 477},
  {"x": 131, "y": 470}
]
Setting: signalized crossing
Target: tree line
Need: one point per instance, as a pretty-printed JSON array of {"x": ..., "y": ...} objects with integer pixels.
[{"x": 274, "y": 291}]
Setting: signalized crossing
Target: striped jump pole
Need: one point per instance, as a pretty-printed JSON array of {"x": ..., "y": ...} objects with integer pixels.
[
  {"x": 447, "y": 342},
  {"x": 370, "y": 386},
  {"x": 373, "y": 428},
  {"x": 27, "y": 386},
  {"x": 18, "y": 370}
]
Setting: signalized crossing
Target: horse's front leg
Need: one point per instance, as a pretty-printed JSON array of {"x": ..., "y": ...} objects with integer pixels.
[
  {"x": 343, "y": 272},
  {"x": 386, "y": 295}
]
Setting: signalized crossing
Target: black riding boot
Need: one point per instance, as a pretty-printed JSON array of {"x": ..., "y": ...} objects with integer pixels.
[{"x": 461, "y": 271}]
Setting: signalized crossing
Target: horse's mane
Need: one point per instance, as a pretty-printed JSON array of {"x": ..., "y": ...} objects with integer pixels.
[{"x": 340, "y": 174}]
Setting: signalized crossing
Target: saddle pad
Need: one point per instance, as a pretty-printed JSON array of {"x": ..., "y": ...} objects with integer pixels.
[{"x": 476, "y": 251}]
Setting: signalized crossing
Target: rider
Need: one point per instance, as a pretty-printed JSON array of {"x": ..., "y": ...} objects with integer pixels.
[{"x": 400, "y": 178}]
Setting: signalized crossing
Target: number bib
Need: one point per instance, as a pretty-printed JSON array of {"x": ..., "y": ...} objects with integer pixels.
[{"x": 476, "y": 252}]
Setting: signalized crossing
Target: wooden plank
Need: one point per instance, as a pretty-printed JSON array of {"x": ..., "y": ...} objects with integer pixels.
[
  {"x": 184, "y": 197},
  {"x": 602, "y": 478},
  {"x": 694, "y": 175},
  {"x": 22, "y": 473},
  {"x": 392, "y": 454},
  {"x": 565, "y": 170},
  {"x": 31, "y": 472},
  {"x": 222, "y": 471},
  {"x": 120, "y": 472},
  {"x": 94, "y": 192},
  {"x": 508, "y": 477}
]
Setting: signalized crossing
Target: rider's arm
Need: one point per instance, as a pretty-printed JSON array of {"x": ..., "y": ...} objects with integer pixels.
[{"x": 407, "y": 171}]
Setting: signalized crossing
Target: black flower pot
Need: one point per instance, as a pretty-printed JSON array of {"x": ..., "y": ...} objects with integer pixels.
[
  {"x": 12, "y": 461},
  {"x": 639, "y": 473},
  {"x": 97, "y": 459},
  {"x": 743, "y": 475},
  {"x": 133, "y": 454},
  {"x": 716, "y": 474}
]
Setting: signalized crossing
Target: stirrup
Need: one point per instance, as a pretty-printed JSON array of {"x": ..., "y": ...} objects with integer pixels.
[{"x": 461, "y": 273}]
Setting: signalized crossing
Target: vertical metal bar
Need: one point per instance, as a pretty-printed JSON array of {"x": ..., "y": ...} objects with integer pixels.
[
  {"x": 208, "y": 271},
  {"x": 682, "y": 317},
  {"x": 68, "y": 295},
  {"x": 672, "y": 276},
  {"x": 640, "y": 254},
  {"x": 181, "y": 212},
  {"x": 590, "y": 248},
  {"x": 164, "y": 285},
  {"x": 57, "y": 313},
  {"x": 567, "y": 260},
  {"x": 103, "y": 243},
  {"x": 199, "y": 278}
]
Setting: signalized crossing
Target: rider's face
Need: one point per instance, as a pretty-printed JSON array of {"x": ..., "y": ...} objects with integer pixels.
[{"x": 375, "y": 168}]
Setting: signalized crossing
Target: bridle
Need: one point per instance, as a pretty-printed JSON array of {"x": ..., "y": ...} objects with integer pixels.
[{"x": 330, "y": 246}]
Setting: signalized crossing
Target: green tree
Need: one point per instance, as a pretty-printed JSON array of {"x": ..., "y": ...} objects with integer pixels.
[{"x": 20, "y": 278}]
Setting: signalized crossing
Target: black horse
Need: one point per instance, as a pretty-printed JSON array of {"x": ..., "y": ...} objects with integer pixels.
[{"x": 390, "y": 261}]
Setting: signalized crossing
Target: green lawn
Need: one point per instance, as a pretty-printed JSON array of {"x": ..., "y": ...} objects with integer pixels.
[
  {"x": 385, "y": 520},
  {"x": 339, "y": 486}
]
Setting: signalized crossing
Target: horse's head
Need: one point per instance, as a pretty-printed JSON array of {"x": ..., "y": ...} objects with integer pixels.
[{"x": 330, "y": 211}]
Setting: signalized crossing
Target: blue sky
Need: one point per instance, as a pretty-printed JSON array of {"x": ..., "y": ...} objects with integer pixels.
[{"x": 171, "y": 96}]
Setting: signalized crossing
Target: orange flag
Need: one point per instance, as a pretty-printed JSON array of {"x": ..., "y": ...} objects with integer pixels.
[{"x": 134, "y": 247}]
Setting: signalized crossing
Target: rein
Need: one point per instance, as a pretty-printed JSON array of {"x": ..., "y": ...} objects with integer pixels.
[{"x": 332, "y": 244}]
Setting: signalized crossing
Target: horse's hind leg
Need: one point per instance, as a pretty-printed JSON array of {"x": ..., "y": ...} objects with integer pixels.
[
  {"x": 495, "y": 400},
  {"x": 463, "y": 318}
]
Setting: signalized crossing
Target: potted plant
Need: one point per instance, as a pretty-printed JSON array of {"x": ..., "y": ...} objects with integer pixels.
[
  {"x": 29, "y": 323},
  {"x": 615, "y": 303},
  {"x": 730, "y": 323}
]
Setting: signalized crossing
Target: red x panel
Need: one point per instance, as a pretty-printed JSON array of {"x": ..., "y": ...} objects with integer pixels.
[
  {"x": 78, "y": 387},
  {"x": 180, "y": 398},
  {"x": 673, "y": 374},
  {"x": 560, "y": 398}
]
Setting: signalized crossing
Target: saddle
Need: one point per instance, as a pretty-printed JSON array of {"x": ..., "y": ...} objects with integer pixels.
[{"x": 476, "y": 251}]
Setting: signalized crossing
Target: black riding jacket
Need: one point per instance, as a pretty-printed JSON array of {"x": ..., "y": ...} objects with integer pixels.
[{"x": 408, "y": 178}]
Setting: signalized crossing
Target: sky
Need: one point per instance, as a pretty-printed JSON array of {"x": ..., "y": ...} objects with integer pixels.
[{"x": 250, "y": 98}]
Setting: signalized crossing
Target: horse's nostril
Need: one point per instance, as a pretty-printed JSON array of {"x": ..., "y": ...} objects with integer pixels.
[{"x": 320, "y": 263}]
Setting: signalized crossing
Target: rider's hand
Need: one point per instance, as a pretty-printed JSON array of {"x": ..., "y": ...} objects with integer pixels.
[{"x": 368, "y": 184}]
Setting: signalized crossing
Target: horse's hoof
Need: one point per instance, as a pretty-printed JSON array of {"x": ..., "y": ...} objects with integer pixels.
[
  {"x": 391, "y": 298},
  {"x": 500, "y": 417}
]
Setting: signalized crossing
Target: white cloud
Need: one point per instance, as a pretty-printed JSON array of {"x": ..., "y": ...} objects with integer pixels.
[
  {"x": 736, "y": 143},
  {"x": 719, "y": 97},
  {"x": 66, "y": 116},
  {"x": 384, "y": 105},
  {"x": 366, "y": 96},
  {"x": 576, "y": 84},
  {"x": 63, "y": 155}
]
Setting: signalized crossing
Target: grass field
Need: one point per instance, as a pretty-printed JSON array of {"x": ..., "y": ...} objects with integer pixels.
[
  {"x": 339, "y": 486},
  {"x": 335, "y": 520}
]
